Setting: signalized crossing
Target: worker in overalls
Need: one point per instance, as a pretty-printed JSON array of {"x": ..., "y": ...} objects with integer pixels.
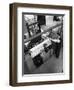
[{"x": 56, "y": 43}]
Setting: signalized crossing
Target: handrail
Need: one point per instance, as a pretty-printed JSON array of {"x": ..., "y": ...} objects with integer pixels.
[{"x": 42, "y": 32}]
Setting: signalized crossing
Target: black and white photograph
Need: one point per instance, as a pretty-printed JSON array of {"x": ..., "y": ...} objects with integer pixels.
[{"x": 42, "y": 43}]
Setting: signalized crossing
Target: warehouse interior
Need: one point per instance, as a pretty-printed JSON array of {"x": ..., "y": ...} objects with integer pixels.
[{"x": 43, "y": 44}]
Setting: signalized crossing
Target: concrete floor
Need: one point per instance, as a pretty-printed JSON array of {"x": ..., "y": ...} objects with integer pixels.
[{"x": 51, "y": 65}]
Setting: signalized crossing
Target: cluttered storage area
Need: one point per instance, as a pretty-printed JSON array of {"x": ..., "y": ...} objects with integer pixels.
[{"x": 42, "y": 43}]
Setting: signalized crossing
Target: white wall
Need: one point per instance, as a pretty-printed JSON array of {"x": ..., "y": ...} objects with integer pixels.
[{"x": 4, "y": 46}]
